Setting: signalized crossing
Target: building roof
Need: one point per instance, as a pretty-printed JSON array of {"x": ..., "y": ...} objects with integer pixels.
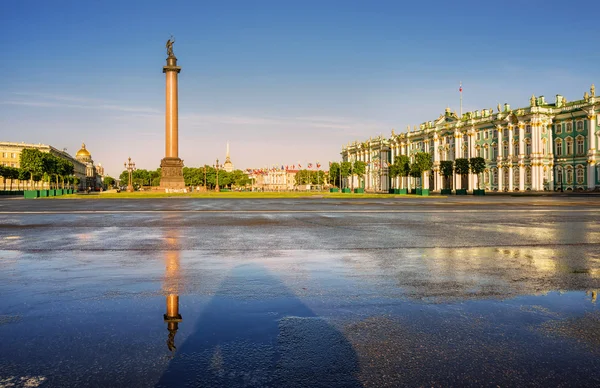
[{"x": 83, "y": 151}]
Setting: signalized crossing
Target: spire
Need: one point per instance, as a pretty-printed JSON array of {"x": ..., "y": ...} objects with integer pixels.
[{"x": 227, "y": 154}]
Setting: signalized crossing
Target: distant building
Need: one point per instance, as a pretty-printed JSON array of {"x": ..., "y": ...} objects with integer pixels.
[
  {"x": 228, "y": 166},
  {"x": 544, "y": 146},
  {"x": 273, "y": 179},
  {"x": 93, "y": 175},
  {"x": 10, "y": 155}
]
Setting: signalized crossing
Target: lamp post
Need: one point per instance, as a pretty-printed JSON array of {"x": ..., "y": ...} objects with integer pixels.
[
  {"x": 216, "y": 166},
  {"x": 130, "y": 167}
]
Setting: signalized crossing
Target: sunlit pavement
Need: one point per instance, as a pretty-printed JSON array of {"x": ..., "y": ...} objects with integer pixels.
[{"x": 300, "y": 292}]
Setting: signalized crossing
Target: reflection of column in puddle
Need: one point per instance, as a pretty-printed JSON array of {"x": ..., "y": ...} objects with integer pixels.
[
  {"x": 593, "y": 294},
  {"x": 171, "y": 288}
]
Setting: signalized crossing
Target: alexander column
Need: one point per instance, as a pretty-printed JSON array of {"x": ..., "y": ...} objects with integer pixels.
[{"x": 171, "y": 166}]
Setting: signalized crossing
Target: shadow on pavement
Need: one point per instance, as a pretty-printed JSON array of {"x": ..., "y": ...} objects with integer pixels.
[{"x": 256, "y": 332}]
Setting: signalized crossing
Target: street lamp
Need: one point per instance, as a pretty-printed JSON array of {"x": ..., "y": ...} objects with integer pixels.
[
  {"x": 130, "y": 167},
  {"x": 216, "y": 166}
]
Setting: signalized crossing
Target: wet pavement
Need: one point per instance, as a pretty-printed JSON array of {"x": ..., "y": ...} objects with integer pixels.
[{"x": 496, "y": 291}]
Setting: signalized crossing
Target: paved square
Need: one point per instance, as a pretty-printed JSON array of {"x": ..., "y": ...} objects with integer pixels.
[{"x": 300, "y": 292}]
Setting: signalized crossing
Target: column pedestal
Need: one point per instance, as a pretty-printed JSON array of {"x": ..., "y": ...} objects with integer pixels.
[{"x": 171, "y": 176}]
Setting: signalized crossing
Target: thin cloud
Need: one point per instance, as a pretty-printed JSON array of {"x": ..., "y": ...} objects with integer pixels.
[{"x": 44, "y": 100}]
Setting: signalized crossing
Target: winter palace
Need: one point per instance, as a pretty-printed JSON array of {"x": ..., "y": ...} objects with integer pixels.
[{"x": 548, "y": 145}]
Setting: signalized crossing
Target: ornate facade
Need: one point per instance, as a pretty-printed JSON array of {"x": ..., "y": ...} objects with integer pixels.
[
  {"x": 545, "y": 146},
  {"x": 92, "y": 178},
  {"x": 10, "y": 155}
]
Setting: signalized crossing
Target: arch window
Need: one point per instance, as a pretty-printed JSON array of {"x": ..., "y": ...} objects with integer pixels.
[
  {"x": 494, "y": 151},
  {"x": 516, "y": 146},
  {"x": 569, "y": 127},
  {"x": 478, "y": 151},
  {"x": 559, "y": 147},
  {"x": 494, "y": 176},
  {"x": 569, "y": 146},
  {"x": 569, "y": 175},
  {"x": 559, "y": 175},
  {"x": 558, "y": 128},
  {"x": 528, "y": 176},
  {"x": 527, "y": 148},
  {"x": 579, "y": 175},
  {"x": 486, "y": 176},
  {"x": 516, "y": 178},
  {"x": 580, "y": 126},
  {"x": 505, "y": 149},
  {"x": 528, "y": 129},
  {"x": 486, "y": 153},
  {"x": 580, "y": 145}
]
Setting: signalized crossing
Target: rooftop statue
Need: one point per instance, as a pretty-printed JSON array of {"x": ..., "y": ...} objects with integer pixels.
[
  {"x": 593, "y": 90},
  {"x": 169, "y": 46},
  {"x": 532, "y": 100}
]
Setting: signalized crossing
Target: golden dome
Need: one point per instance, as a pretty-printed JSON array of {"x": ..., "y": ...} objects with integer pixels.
[{"x": 83, "y": 151}]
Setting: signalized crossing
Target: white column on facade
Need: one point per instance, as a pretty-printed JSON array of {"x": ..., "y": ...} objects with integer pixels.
[
  {"x": 540, "y": 156},
  {"x": 591, "y": 167},
  {"x": 436, "y": 162},
  {"x": 472, "y": 176},
  {"x": 510, "y": 157},
  {"x": 500, "y": 178},
  {"x": 521, "y": 157},
  {"x": 457, "y": 143},
  {"x": 533, "y": 162}
]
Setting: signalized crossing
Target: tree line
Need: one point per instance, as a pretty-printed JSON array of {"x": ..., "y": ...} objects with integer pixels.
[
  {"x": 402, "y": 167},
  {"x": 192, "y": 176},
  {"x": 39, "y": 166}
]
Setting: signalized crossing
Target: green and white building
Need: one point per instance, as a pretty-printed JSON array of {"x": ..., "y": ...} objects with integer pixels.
[{"x": 549, "y": 145}]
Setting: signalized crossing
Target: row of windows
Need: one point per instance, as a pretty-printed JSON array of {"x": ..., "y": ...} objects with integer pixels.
[
  {"x": 12, "y": 155},
  {"x": 568, "y": 127},
  {"x": 569, "y": 147},
  {"x": 9, "y": 164},
  {"x": 569, "y": 175}
]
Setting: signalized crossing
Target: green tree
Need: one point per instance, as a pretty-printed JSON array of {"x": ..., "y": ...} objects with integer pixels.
[
  {"x": 13, "y": 174},
  {"x": 334, "y": 174},
  {"x": 31, "y": 160},
  {"x": 155, "y": 177},
  {"x": 64, "y": 169},
  {"x": 50, "y": 168},
  {"x": 239, "y": 178},
  {"x": 421, "y": 164},
  {"x": 124, "y": 178},
  {"x": 24, "y": 175},
  {"x": 359, "y": 169},
  {"x": 109, "y": 181},
  {"x": 303, "y": 177},
  {"x": 193, "y": 176},
  {"x": 461, "y": 166},
  {"x": 317, "y": 177},
  {"x": 402, "y": 163},
  {"x": 3, "y": 174},
  {"x": 477, "y": 166},
  {"x": 447, "y": 169},
  {"x": 346, "y": 169}
]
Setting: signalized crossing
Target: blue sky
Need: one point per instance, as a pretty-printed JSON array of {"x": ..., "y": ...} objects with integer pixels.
[{"x": 285, "y": 82}]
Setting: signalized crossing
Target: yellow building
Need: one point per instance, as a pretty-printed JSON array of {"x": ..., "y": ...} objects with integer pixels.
[{"x": 10, "y": 155}]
